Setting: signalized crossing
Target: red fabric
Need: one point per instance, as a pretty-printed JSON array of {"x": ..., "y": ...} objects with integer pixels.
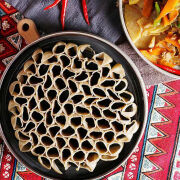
[{"x": 158, "y": 154}]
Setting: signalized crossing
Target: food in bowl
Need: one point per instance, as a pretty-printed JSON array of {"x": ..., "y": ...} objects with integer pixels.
[
  {"x": 72, "y": 106},
  {"x": 154, "y": 27}
]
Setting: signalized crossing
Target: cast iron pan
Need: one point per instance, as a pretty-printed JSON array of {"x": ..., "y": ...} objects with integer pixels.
[{"x": 136, "y": 86}]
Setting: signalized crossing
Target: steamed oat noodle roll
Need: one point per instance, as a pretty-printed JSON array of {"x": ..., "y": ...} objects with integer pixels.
[{"x": 71, "y": 105}]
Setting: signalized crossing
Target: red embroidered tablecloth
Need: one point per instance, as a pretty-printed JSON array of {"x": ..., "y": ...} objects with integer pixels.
[{"x": 158, "y": 154}]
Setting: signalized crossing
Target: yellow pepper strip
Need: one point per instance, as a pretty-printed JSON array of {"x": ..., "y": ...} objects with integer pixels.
[
  {"x": 131, "y": 2},
  {"x": 169, "y": 7},
  {"x": 150, "y": 57},
  {"x": 174, "y": 42}
]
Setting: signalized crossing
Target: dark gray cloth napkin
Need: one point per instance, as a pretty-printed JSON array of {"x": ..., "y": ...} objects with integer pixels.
[
  {"x": 104, "y": 20},
  {"x": 103, "y": 16}
]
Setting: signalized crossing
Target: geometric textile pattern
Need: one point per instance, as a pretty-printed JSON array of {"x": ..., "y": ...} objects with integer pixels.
[{"x": 156, "y": 157}]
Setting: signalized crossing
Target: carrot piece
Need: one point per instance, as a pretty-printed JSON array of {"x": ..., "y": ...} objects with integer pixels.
[
  {"x": 157, "y": 51},
  {"x": 173, "y": 15},
  {"x": 174, "y": 42},
  {"x": 166, "y": 21},
  {"x": 147, "y": 8},
  {"x": 169, "y": 6}
]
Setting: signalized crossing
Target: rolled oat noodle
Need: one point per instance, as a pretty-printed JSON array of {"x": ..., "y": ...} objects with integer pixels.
[
  {"x": 109, "y": 157},
  {"x": 117, "y": 71},
  {"x": 102, "y": 59},
  {"x": 52, "y": 152},
  {"x": 34, "y": 80},
  {"x": 89, "y": 122},
  {"x": 48, "y": 83},
  {"x": 123, "y": 137},
  {"x": 54, "y": 69},
  {"x": 61, "y": 120},
  {"x": 122, "y": 119},
  {"x": 67, "y": 132},
  {"x": 132, "y": 127},
  {"x": 105, "y": 71},
  {"x": 127, "y": 97},
  {"x": 15, "y": 88},
  {"x": 100, "y": 147},
  {"x": 99, "y": 92},
  {"x": 85, "y": 51},
  {"x": 71, "y": 49},
  {"x": 109, "y": 114},
  {"x": 85, "y": 88},
  {"x": 56, "y": 164},
  {"x": 115, "y": 148},
  {"x": 103, "y": 124},
  {"x": 56, "y": 108},
  {"x": 109, "y": 136},
  {"x": 91, "y": 66},
  {"x": 25, "y": 146},
  {"x": 51, "y": 94},
  {"x": 29, "y": 67},
  {"x": 78, "y": 156},
  {"x": 48, "y": 58},
  {"x": 43, "y": 69},
  {"x": 78, "y": 98},
  {"x": 21, "y": 135},
  {"x": 28, "y": 91},
  {"x": 59, "y": 48},
  {"x": 66, "y": 154},
  {"x": 81, "y": 133},
  {"x": 117, "y": 105},
  {"x": 87, "y": 145},
  {"x": 129, "y": 110},
  {"x": 38, "y": 150},
  {"x": 95, "y": 134},
  {"x": 77, "y": 64},
  {"x": 29, "y": 127},
  {"x": 76, "y": 120},
  {"x": 37, "y": 56},
  {"x": 16, "y": 122},
  {"x": 68, "y": 108},
  {"x": 73, "y": 86},
  {"x": 108, "y": 82},
  {"x": 64, "y": 60},
  {"x": 45, "y": 162},
  {"x": 74, "y": 143},
  {"x": 117, "y": 126},
  {"x": 121, "y": 85},
  {"x": 103, "y": 103},
  {"x": 47, "y": 141},
  {"x": 61, "y": 142},
  {"x": 95, "y": 78},
  {"x": 22, "y": 77},
  {"x": 83, "y": 76},
  {"x": 14, "y": 108}
]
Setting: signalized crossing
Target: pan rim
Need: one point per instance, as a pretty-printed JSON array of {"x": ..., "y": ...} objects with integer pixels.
[
  {"x": 142, "y": 85},
  {"x": 121, "y": 13}
]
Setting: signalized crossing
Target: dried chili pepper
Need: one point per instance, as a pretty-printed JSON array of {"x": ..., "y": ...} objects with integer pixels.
[
  {"x": 56, "y": 2},
  {"x": 63, "y": 12},
  {"x": 171, "y": 70},
  {"x": 85, "y": 12}
]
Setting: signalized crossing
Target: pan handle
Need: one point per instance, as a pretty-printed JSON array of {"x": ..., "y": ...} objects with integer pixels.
[{"x": 27, "y": 29}]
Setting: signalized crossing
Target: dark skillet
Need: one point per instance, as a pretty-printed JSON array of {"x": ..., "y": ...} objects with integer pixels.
[{"x": 136, "y": 86}]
